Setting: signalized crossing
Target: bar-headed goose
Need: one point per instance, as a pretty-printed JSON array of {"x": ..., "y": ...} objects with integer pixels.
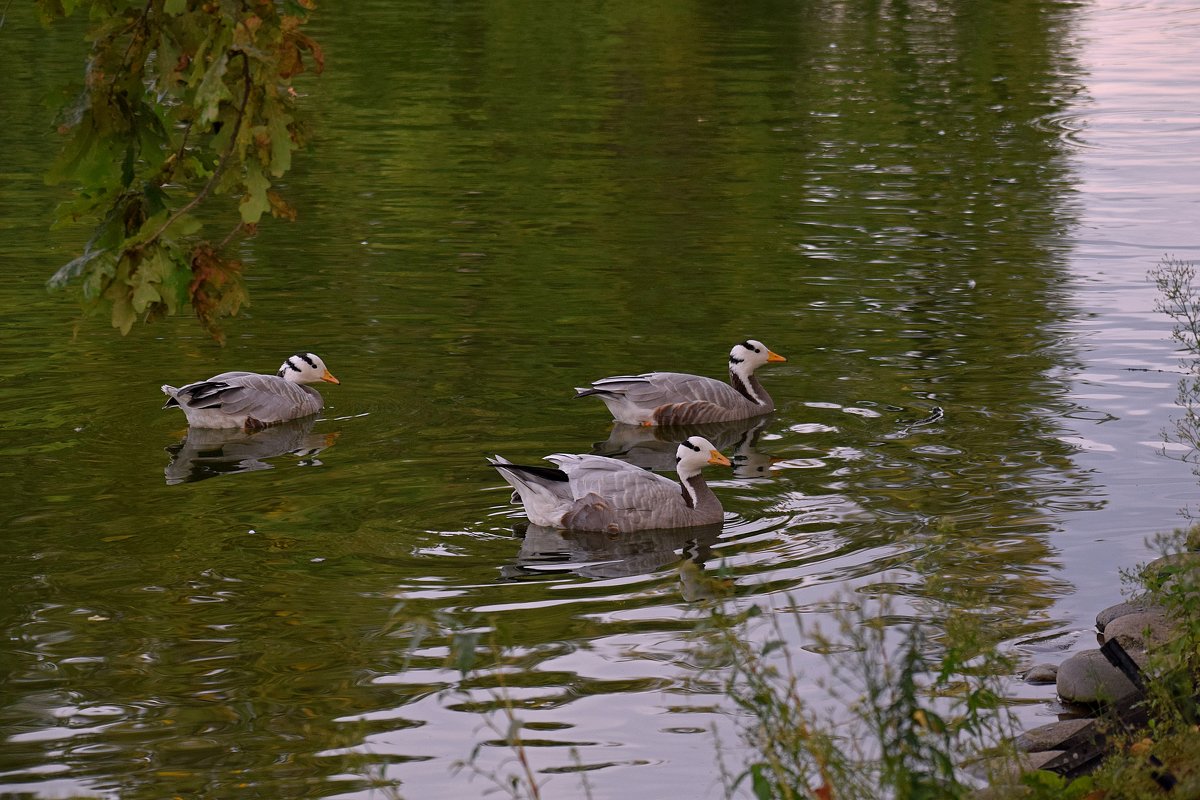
[
  {"x": 676, "y": 398},
  {"x": 596, "y": 493},
  {"x": 252, "y": 401}
]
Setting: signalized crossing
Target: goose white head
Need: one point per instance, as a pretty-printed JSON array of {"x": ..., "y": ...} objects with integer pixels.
[
  {"x": 694, "y": 453},
  {"x": 747, "y": 356},
  {"x": 305, "y": 368}
]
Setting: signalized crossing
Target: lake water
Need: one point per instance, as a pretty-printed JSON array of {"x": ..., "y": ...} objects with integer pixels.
[{"x": 922, "y": 206}]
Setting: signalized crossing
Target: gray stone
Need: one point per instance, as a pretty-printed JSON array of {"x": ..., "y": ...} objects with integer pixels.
[
  {"x": 1001, "y": 770},
  {"x": 1088, "y": 678},
  {"x": 1172, "y": 564},
  {"x": 1141, "y": 631},
  {"x": 1041, "y": 673},
  {"x": 1049, "y": 737},
  {"x": 1132, "y": 606}
]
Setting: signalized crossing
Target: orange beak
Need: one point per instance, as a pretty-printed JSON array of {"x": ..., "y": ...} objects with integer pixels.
[
  {"x": 715, "y": 457},
  {"x": 774, "y": 356},
  {"x": 329, "y": 377}
]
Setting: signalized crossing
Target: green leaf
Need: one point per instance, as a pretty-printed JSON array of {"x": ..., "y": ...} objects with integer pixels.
[
  {"x": 463, "y": 646},
  {"x": 123, "y": 315},
  {"x": 771, "y": 647},
  {"x": 760, "y": 783},
  {"x": 211, "y": 91},
  {"x": 148, "y": 279},
  {"x": 147, "y": 230},
  {"x": 98, "y": 277},
  {"x": 176, "y": 284},
  {"x": 281, "y": 143},
  {"x": 175, "y": 7},
  {"x": 145, "y": 294},
  {"x": 186, "y": 225},
  {"x": 255, "y": 203}
]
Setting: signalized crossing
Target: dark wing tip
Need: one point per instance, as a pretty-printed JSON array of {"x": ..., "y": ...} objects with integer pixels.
[{"x": 546, "y": 473}]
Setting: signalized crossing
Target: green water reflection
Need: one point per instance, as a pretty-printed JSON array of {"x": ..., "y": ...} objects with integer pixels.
[{"x": 504, "y": 200}]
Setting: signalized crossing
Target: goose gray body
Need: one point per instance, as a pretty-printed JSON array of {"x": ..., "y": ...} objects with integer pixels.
[
  {"x": 250, "y": 400},
  {"x": 677, "y": 398},
  {"x": 596, "y": 493}
]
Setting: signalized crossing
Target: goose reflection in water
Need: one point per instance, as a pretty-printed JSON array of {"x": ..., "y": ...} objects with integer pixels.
[
  {"x": 209, "y": 452},
  {"x": 653, "y": 447},
  {"x": 600, "y": 555}
]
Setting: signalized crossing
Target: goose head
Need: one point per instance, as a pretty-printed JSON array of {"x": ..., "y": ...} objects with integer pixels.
[
  {"x": 694, "y": 453},
  {"x": 747, "y": 356},
  {"x": 305, "y": 368}
]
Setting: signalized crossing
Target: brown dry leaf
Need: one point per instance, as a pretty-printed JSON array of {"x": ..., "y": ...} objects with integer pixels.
[{"x": 279, "y": 207}]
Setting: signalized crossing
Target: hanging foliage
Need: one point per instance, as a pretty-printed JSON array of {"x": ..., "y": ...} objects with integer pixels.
[{"x": 183, "y": 101}]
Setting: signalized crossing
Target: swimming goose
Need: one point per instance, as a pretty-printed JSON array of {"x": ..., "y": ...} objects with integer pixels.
[
  {"x": 252, "y": 401},
  {"x": 597, "y": 493},
  {"x": 676, "y": 398}
]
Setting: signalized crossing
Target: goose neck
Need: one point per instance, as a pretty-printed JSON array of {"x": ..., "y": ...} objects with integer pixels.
[{"x": 747, "y": 386}]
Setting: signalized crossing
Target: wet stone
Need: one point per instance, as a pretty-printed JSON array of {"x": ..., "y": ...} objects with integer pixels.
[
  {"x": 1041, "y": 673},
  {"x": 1121, "y": 609},
  {"x": 1001, "y": 770},
  {"x": 1089, "y": 679},
  {"x": 1049, "y": 737},
  {"x": 1142, "y": 630},
  {"x": 1172, "y": 564}
]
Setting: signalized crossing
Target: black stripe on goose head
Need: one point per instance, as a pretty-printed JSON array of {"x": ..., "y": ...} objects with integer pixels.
[
  {"x": 688, "y": 444},
  {"x": 289, "y": 365}
]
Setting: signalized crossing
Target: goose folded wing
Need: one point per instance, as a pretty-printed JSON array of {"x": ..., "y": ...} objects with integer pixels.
[
  {"x": 266, "y": 397},
  {"x": 654, "y": 389},
  {"x": 621, "y": 485}
]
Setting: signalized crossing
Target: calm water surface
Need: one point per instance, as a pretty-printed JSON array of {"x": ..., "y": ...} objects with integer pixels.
[{"x": 920, "y": 206}]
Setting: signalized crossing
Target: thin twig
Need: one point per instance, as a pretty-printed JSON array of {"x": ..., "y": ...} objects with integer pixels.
[
  {"x": 220, "y": 168},
  {"x": 187, "y": 131},
  {"x": 142, "y": 21},
  {"x": 229, "y": 237}
]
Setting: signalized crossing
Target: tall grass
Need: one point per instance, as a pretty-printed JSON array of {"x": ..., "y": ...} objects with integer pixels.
[{"x": 917, "y": 704}]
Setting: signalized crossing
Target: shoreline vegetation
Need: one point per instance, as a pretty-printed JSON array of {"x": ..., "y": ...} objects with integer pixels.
[{"x": 927, "y": 717}]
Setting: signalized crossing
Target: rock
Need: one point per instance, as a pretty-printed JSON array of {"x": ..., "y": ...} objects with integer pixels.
[
  {"x": 1041, "y": 673},
  {"x": 1001, "y": 770},
  {"x": 1142, "y": 630},
  {"x": 1121, "y": 609},
  {"x": 1171, "y": 564},
  {"x": 1088, "y": 678},
  {"x": 1049, "y": 737}
]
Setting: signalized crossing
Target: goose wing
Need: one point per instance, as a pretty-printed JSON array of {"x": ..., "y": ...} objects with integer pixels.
[
  {"x": 653, "y": 389},
  {"x": 266, "y": 398},
  {"x": 669, "y": 398},
  {"x": 623, "y": 486}
]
